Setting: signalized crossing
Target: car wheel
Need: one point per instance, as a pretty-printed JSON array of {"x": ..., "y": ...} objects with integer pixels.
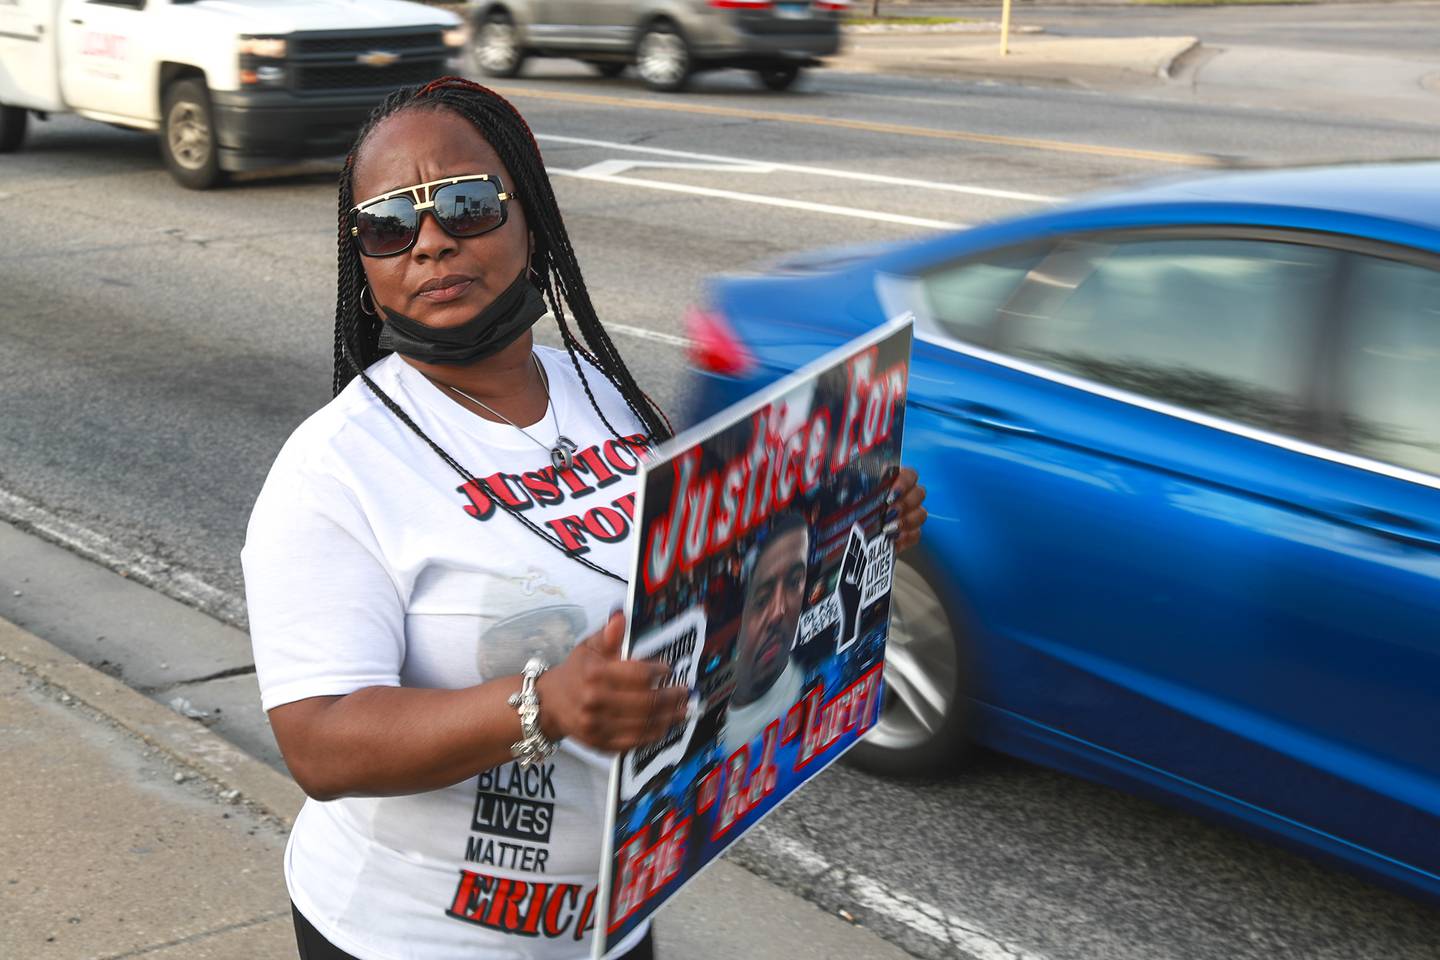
[
  {"x": 778, "y": 77},
  {"x": 12, "y": 128},
  {"x": 608, "y": 68},
  {"x": 187, "y": 135},
  {"x": 496, "y": 48},
  {"x": 662, "y": 58},
  {"x": 923, "y": 723}
]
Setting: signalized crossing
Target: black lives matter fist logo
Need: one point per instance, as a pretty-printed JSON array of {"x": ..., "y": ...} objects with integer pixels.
[{"x": 851, "y": 589}]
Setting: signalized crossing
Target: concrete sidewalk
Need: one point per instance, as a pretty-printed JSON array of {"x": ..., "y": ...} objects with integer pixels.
[
  {"x": 131, "y": 830},
  {"x": 123, "y": 831},
  {"x": 1033, "y": 57},
  {"x": 1400, "y": 88}
]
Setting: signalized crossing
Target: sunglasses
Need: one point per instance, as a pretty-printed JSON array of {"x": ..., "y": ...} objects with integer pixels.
[{"x": 387, "y": 225}]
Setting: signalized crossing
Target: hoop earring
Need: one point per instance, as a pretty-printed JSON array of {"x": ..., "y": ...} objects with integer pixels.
[{"x": 364, "y": 289}]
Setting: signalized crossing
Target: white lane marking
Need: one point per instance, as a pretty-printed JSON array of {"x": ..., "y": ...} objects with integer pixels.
[
  {"x": 922, "y": 917},
  {"x": 612, "y": 168},
  {"x": 813, "y": 171},
  {"x": 644, "y": 334},
  {"x": 761, "y": 199},
  {"x": 127, "y": 561}
]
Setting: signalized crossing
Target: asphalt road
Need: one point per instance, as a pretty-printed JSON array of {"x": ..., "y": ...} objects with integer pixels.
[{"x": 161, "y": 345}]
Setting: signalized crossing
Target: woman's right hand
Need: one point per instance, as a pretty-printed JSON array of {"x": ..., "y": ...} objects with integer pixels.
[{"x": 605, "y": 702}]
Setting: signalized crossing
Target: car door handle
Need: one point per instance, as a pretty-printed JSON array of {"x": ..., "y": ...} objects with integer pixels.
[
  {"x": 1394, "y": 525},
  {"x": 992, "y": 418},
  {"x": 78, "y": 23}
]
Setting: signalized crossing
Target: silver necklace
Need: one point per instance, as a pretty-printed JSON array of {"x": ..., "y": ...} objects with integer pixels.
[{"x": 562, "y": 452}]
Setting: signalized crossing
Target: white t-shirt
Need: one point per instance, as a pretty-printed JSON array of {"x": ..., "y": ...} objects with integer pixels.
[
  {"x": 368, "y": 562},
  {"x": 744, "y": 723}
]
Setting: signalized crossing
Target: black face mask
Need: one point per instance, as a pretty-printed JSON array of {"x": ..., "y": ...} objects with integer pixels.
[{"x": 484, "y": 335}]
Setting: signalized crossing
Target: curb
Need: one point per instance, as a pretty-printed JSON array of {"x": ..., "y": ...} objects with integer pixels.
[
  {"x": 184, "y": 741},
  {"x": 964, "y": 27},
  {"x": 1055, "y": 73},
  {"x": 1167, "y": 69}
]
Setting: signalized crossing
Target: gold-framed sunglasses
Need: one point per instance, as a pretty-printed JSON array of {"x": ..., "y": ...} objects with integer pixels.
[{"x": 468, "y": 206}]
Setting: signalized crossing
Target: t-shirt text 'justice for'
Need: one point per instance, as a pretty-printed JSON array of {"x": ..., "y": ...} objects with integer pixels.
[{"x": 596, "y": 467}]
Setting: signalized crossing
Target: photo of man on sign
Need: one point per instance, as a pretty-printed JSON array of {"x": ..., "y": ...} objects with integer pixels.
[{"x": 767, "y": 678}]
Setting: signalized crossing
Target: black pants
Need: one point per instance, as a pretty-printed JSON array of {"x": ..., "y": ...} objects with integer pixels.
[{"x": 313, "y": 946}]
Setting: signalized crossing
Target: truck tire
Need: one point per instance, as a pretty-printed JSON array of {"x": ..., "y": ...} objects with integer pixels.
[
  {"x": 608, "y": 68},
  {"x": 187, "y": 135},
  {"x": 663, "y": 58},
  {"x": 778, "y": 76},
  {"x": 496, "y": 49},
  {"x": 924, "y": 718},
  {"x": 12, "y": 128}
]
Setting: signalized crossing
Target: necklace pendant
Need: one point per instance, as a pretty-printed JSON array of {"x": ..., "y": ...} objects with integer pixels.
[{"x": 562, "y": 455}]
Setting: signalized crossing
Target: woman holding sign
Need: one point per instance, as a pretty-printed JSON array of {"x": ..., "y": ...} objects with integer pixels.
[{"x": 435, "y": 565}]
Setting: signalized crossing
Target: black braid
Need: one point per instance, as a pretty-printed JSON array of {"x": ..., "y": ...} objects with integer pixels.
[
  {"x": 567, "y": 338},
  {"x": 354, "y": 329}
]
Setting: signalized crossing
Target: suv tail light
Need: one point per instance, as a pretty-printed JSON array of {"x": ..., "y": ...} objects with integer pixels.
[
  {"x": 742, "y": 4},
  {"x": 832, "y": 6},
  {"x": 714, "y": 347}
]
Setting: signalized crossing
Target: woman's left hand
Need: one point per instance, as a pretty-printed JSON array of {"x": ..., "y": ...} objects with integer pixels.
[{"x": 906, "y": 515}]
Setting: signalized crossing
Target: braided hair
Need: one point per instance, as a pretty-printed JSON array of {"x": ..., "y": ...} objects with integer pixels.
[
  {"x": 553, "y": 262},
  {"x": 357, "y": 332}
]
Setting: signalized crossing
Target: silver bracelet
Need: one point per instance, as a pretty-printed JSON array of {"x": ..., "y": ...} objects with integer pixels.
[{"x": 533, "y": 746}]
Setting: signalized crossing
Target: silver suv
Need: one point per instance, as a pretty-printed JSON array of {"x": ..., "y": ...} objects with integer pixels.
[{"x": 667, "y": 40}]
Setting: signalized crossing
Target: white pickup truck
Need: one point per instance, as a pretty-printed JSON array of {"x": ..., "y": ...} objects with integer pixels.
[{"x": 228, "y": 84}]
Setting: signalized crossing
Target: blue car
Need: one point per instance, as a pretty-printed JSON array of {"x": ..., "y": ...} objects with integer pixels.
[{"x": 1182, "y": 448}]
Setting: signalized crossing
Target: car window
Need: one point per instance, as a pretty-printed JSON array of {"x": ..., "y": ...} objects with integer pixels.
[
  {"x": 963, "y": 298},
  {"x": 1390, "y": 363},
  {"x": 1219, "y": 326}
]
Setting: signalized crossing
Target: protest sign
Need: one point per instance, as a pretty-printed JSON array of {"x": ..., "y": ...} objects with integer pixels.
[{"x": 763, "y": 580}]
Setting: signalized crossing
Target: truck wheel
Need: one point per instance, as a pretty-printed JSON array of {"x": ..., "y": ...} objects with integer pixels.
[
  {"x": 922, "y": 728},
  {"x": 608, "y": 68},
  {"x": 662, "y": 58},
  {"x": 187, "y": 135},
  {"x": 780, "y": 76},
  {"x": 496, "y": 48},
  {"x": 12, "y": 128}
]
